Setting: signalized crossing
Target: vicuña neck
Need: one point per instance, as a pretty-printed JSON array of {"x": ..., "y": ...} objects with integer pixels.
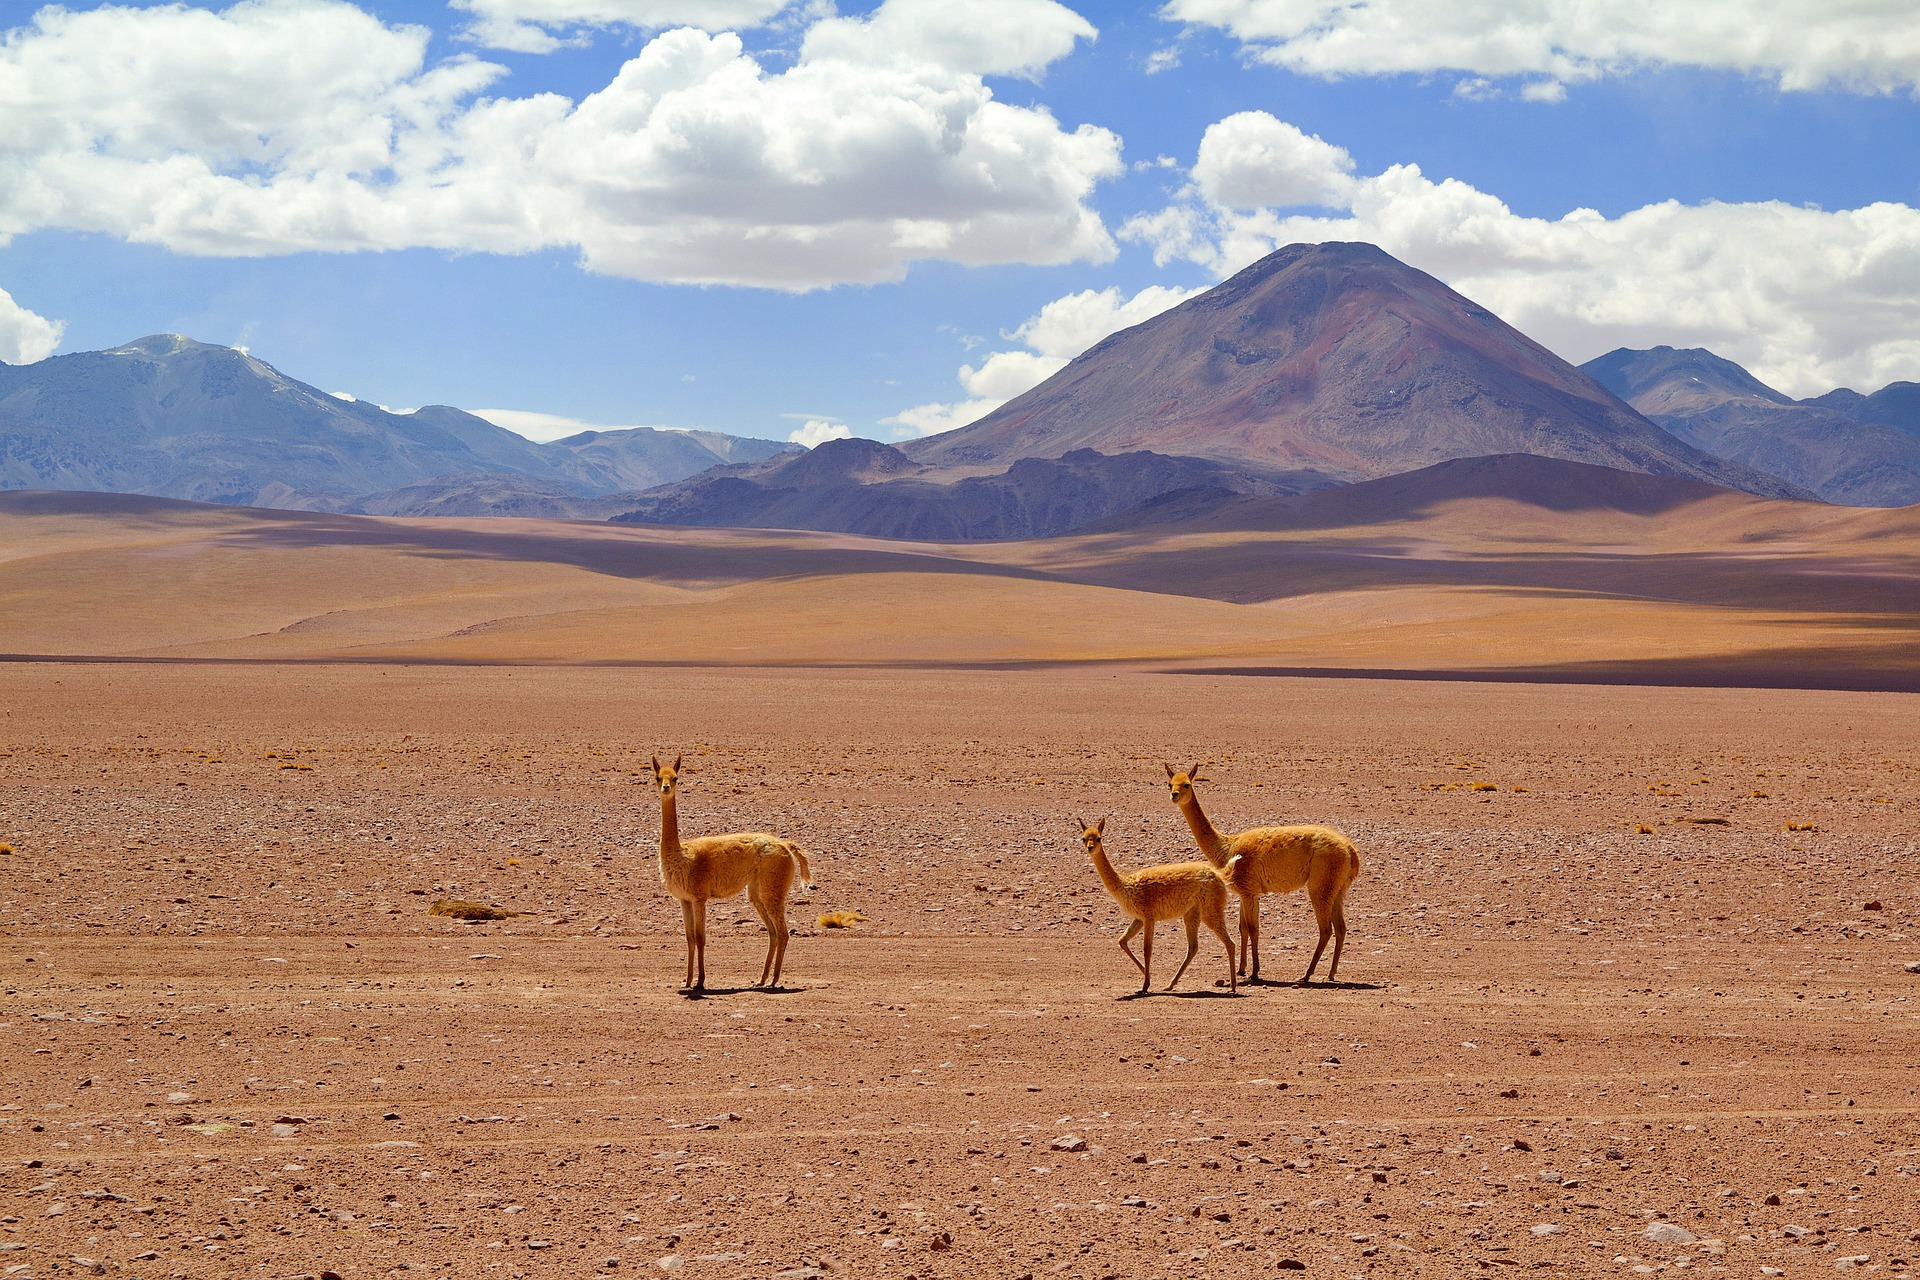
[
  {"x": 1205, "y": 834},
  {"x": 1108, "y": 876},
  {"x": 669, "y": 825}
]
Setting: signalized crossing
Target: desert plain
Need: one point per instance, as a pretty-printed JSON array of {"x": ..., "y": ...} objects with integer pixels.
[{"x": 1627, "y": 988}]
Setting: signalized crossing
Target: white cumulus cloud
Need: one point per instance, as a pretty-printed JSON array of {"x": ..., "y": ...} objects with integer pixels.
[
  {"x": 550, "y": 426},
  {"x": 24, "y": 336},
  {"x": 1862, "y": 45},
  {"x": 1060, "y": 331},
  {"x": 1808, "y": 299},
  {"x": 817, "y": 431},
  {"x": 283, "y": 126},
  {"x": 528, "y": 26}
]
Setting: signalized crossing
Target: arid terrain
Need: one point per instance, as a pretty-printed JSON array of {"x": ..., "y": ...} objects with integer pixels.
[{"x": 236, "y": 1043}]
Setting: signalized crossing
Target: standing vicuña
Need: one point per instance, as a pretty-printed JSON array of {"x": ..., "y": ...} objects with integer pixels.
[
  {"x": 1275, "y": 860},
  {"x": 1187, "y": 891},
  {"x": 708, "y": 867}
]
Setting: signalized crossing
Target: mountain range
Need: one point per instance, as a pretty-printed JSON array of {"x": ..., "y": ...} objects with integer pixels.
[
  {"x": 170, "y": 417},
  {"x": 1848, "y": 448},
  {"x": 1318, "y": 366}
]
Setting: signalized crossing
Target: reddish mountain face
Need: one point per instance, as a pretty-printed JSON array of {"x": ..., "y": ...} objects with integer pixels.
[{"x": 1337, "y": 358}]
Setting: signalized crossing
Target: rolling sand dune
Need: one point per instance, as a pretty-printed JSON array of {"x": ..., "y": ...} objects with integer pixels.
[{"x": 1516, "y": 565}]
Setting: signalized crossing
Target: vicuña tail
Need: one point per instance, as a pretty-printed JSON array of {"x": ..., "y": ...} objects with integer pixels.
[{"x": 800, "y": 861}]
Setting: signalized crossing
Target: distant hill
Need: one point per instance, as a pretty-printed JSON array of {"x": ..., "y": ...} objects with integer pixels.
[
  {"x": 862, "y": 486},
  {"x": 1856, "y": 450},
  {"x": 168, "y": 416},
  {"x": 1549, "y": 484},
  {"x": 1334, "y": 358}
]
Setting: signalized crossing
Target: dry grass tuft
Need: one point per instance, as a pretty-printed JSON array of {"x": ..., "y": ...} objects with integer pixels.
[
  {"x": 5, "y": 848},
  {"x": 1801, "y": 826},
  {"x": 1486, "y": 786},
  {"x": 839, "y": 919},
  {"x": 1758, "y": 795},
  {"x": 461, "y": 909},
  {"x": 1642, "y": 829}
]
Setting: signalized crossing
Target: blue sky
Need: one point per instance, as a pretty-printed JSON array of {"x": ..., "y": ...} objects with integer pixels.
[{"x": 886, "y": 219}]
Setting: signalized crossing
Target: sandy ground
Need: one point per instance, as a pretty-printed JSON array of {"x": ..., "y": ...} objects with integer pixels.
[
  {"x": 235, "y": 1043},
  {"x": 1727, "y": 590}
]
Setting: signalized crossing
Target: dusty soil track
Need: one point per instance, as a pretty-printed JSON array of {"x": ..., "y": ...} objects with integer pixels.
[{"x": 236, "y": 1044}]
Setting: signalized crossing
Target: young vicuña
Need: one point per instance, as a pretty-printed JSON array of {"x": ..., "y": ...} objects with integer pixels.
[{"x": 1191, "y": 892}]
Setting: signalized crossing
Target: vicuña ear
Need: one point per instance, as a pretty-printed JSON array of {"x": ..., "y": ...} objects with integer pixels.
[
  {"x": 1167, "y": 767},
  {"x": 1193, "y": 774},
  {"x": 656, "y": 766},
  {"x": 1080, "y": 825},
  {"x": 1101, "y": 826},
  {"x": 678, "y": 759}
]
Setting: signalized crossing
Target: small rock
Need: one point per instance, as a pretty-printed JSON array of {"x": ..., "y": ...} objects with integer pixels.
[
  {"x": 539, "y": 1244},
  {"x": 177, "y": 1099},
  {"x": 1913, "y": 966},
  {"x": 1548, "y": 1229},
  {"x": 93, "y": 1265},
  {"x": 1772, "y": 1271},
  {"x": 1773, "y": 1200},
  {"x": 672, "y": 1262},
  {"x": 800, "y": 1273},
  {"x": 941, "y": 1241},
  {"x": 1134, "y": 1202},
  {"x": 893, "y": 1242},
  {"x": 1668, "y": 1233},
  {"x": 285, "y": 1131},
  {"x": 1550, "y": 1175},
  {"x": 1520, "y": 1144},
  {"x": 1290, "y": 1264},
  {"x": 1069, "y": 1142},
  {"x": 1839, "y": 1264}
]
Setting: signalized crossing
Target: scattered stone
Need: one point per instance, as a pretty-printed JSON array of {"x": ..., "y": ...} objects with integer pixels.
[
  {"x": 1550, "y": 1175},
  {"x": 1913, "y": 966},
  {"x": 93, "y": 1265},
  {"x": 1290, "y": 1264},
  {"x": 1135, "y": 1202},
  {"x": 1520, "y": 1144},
  {"x": 1069, "y": 1142},
  {"x": 941, "y": 1241},
  {"x": 1668, "y": 1233},
  {"x": 1548, "y": 1229},
  {"x": 672, "y": 1262},
  {"x": 1773, "y": 1201},
  {"x": 800, "y": 1273},
  {"x": 178, "y": 1099}
]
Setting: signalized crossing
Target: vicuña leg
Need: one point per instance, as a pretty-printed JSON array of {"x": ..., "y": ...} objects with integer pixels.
[
  {"x": 699, "y": 936},
  {"x": 1215, "y": 915},
  {"x": 1324, "y": 888},
  {"x": 1250, "y": 936},
  {"x": 1133, "y": 930},
  {"x": 772, "y": 909},
  {"x": 1192, "y": 921},
  {"x": 686, "y": 921}
]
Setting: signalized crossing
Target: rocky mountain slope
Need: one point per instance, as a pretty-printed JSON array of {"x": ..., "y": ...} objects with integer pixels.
[{"x": 1335, "y": 358}]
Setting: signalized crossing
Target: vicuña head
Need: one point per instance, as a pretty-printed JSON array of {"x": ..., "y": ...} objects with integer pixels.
[
  {"x": 1181, "y": 784},
  {"x": 666, "y": 775}
]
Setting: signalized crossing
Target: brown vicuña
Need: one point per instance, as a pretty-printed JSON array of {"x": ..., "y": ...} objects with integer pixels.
[
  {"x": 1275, "y": 860},
  {"x": 1191, "y": 892},
  {"x": 706, "y": 867}
]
